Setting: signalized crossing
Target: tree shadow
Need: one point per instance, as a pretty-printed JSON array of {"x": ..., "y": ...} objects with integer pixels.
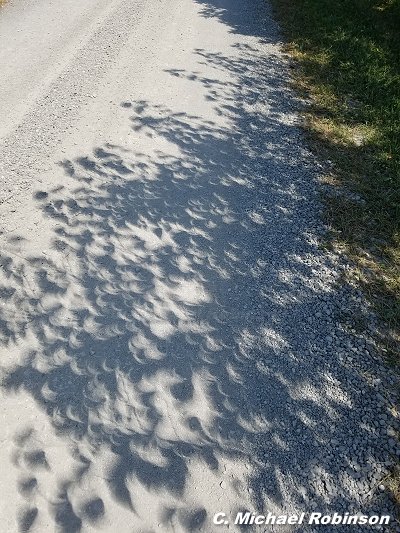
[
  {"x": 243, "y": 17},
  {"x": 185, "y": 311}
]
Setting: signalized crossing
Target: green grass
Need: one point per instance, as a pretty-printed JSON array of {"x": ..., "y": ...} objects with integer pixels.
[{"x": 347, "y": 61}]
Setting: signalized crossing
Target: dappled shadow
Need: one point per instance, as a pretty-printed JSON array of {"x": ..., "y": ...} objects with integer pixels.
[
  {"x": 184, "y": 313},
  {"x": 243, "y": 17},
  {"x": 345, "y": 57}
]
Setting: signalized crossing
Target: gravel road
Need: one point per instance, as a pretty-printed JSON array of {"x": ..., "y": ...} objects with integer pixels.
[{"x": 175, "y": 339}]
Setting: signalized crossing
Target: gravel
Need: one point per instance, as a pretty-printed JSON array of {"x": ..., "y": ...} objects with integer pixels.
[{"x": 175, "y": 339}]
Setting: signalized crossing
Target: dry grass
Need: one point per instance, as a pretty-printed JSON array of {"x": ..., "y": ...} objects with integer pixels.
[
  {"x": 346, "y": 58},
  {"x": 347, "y": 62}
]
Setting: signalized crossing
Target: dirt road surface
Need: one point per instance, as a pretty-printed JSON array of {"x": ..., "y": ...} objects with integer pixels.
[{"x": 175, "y": 341}]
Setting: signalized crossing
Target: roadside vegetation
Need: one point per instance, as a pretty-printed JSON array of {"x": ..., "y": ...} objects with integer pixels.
[{"x": 346, "y": 58}]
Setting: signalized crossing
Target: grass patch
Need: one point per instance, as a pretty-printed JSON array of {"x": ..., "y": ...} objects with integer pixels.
[{"x": 347, "y": 63}]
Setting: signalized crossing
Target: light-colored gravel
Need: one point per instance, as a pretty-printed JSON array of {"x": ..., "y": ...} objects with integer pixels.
[{"x": 175, "y": 340}]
